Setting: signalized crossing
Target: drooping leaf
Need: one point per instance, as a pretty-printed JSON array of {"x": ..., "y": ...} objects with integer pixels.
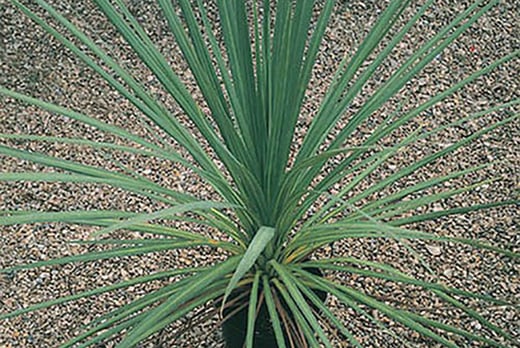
[{"x": 254, "y": 250}]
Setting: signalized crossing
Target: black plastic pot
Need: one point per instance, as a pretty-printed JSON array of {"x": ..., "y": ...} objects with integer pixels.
[{"x": 235, "y": 327}]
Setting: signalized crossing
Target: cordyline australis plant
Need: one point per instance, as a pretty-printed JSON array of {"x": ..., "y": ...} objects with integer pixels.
[{"x": 254, "y": 91}]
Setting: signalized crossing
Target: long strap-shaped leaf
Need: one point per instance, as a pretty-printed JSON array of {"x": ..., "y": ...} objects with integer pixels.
[
  {"x": 273, "y": 312},
  {"x": 364, "y": 313},
  {"x": 254, "y": 250},
  {"x": 325, "y": 119},
  {"x": 47, "y": 160},
  {"x": 141, "y": 186},
  {"x": 396, "y": 197},
  {"x": 169, "y": 232},
  {"x": 252, "y": 310},
  {"x": 318, "y": 303},
  {"x": 412, "y": 168},
  {"x": 100, "y": 175},
  {"x": 62, "y": 216},
  {"x": 211, "y": 292},
  {"x": 143, "y": 46},
  {"x": 288, "y": 59},
  {"x": 441, "y": 293},
  {"x": 339, "y": 173},
  {"x": 100, "y": 290},
  {"x": 152, "y": 321},
  {"x": 453, "y": 211},
  {"x": 164, "y": 213},
  {"x": 400, "y": 278},
  {"x": 295, "y": 314},
  {"x": 152, "y": 109},
  {"x": 317, "y": 236},
  {"x": 235, "y": 32},
  {"x": 108, "y": 218},
  {"x": 373, "y": 163},
  {"x": 200, "y": 63},
  {"x": 147, "y": 104},
  {"x": 108, "y": 324},
  {"x": 299, "y": 300},
  {"x": 429, "y": 159},
  {"x": 103, "y": 255},
  {"x": 395, "y": 83},
  {"x": 384, "y": 129},
  {"x": 346, "y": 294},
  {"x": 407, "y": 70},
  {"x": 75, "y": 178}
]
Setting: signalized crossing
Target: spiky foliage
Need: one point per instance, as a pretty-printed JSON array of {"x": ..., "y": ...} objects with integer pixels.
[{"x": 254, "y": 91}]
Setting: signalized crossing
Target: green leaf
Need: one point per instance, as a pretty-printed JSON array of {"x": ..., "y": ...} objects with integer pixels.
[
  {"x": 273, "y": 312},
  {"x": 295, "y": 314},
  {"x": 157, "y": 318},
  {"x": 112, "y": 253},
  {"x": 318, "y": 303},
  {"x": 401, "y": 278},
  {"x": 252, "y": 309},
  {"x": 27, "y": 217},
  {"x": 164, "y": 213},
  {"x": 300, "y": 302},
  {"x": 316, "y": 236},
  {"x": 401, "y": 316},
  {"x": 453, "y": 211},
  {"x": 253, "y": 252},
  {"x": 131, "y": 314},
  {"x": 352, "y": 304},
  {"x": 141, "y": 186},
  {"x": 100, "y": 290}
]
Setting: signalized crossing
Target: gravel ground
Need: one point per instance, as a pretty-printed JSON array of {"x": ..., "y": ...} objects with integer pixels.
[{"x": 33, "y": 63}]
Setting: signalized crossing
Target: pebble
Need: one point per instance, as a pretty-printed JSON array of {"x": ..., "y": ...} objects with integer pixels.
[{"x": 434, "y": 250}]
